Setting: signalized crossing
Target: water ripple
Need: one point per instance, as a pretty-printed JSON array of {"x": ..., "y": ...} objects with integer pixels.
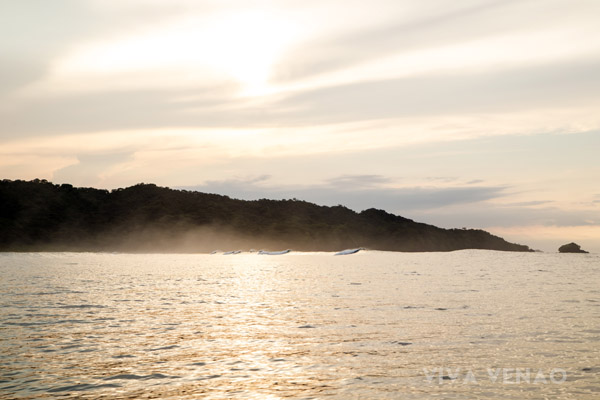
[{"x": 307, "y": 326}]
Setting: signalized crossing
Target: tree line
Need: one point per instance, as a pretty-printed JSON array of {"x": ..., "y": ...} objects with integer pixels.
[{"x": 41, "y": 216}]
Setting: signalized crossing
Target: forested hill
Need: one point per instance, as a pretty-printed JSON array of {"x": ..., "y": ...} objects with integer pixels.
[{"x": 38, "y": 216}]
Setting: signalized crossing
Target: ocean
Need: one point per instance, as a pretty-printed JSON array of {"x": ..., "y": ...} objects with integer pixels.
[{"x": 371, "y": 325}]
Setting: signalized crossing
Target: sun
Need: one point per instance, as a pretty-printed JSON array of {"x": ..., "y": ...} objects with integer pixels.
[
  {"x": 241, "y": 47},
  {"x": 247, "y": 46}
]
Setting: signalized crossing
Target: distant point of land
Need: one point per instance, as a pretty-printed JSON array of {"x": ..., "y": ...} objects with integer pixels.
[
  {"x": 571, "y": 248},
  {"x": 41, "y": 216}
]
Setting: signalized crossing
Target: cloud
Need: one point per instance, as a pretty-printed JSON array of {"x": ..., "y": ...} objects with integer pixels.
[
  {"x": 33, "y": 33},
  {"x": 529, "y": 203},
  {"x": 357, "y": 181},
  {"x": 118, "y": 110},
  {"x": 419, "y": 30},
  {"x": 559, "y": 85},
  {"x": 448, "y": 206},
  {"x": 554, "y": 87},
  {"x": 453, "y": 22},
  {"x": 251, "y": 186},
  {"x": 37, "y": 33},
  {"x": 483, "y": 215},
  {"x": 357, "y": 192},
  {"x": 91, "y": 169}
]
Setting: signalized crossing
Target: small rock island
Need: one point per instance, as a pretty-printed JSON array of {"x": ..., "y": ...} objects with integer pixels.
[{"x": 571, "y": 248}]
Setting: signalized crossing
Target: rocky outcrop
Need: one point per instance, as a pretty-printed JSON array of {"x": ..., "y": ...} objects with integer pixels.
[{"x": 571, "y": 248}]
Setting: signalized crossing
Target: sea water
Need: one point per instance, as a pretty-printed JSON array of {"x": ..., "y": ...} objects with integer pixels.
[{"x": 465, "y": 324}]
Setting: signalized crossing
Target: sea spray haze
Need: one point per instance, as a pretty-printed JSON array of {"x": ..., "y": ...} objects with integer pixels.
[{"x": 465, "y": 324}]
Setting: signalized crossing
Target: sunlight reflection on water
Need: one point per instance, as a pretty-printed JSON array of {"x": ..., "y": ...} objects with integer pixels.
[{"x": 369, "y": 325}]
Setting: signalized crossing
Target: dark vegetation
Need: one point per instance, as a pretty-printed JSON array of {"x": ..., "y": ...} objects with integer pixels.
[{"x": 40, "y": 216}]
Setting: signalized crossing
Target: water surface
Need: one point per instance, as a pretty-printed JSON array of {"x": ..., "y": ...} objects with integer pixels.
[{"x": 368, "y": 325}]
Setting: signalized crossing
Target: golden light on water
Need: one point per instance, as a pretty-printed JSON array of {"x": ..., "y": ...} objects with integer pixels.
[{"x": 297, "y": 325}]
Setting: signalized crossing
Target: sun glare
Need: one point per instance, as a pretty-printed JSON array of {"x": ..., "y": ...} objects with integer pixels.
[
  {"x": 247, "y": 47},
  {"x": 242, "y": 47}
]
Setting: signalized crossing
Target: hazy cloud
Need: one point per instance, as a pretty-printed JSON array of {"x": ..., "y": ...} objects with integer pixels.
[
  {"x": 440, "y": 206},
  {"x": 250, "y": 186},
  {"x": 358, "y": 181},
  {"x": 560, "y": 85},
  {"x": 116, "y": 110},
  {"x": 356, "y": 192},
  {"x": 32, "y": 34},
  {"x": 450, "y": 22},
  {"x": 497, "y": 215},
  {"x": 35, "y": 33},
  {"x": 556, "y": 86},
  {"x": 529, "y": 203},
  {"x": 91, "y": 168}
]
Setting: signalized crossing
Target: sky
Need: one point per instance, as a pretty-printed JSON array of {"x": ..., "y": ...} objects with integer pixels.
[{"x": 478, "y": 114}]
